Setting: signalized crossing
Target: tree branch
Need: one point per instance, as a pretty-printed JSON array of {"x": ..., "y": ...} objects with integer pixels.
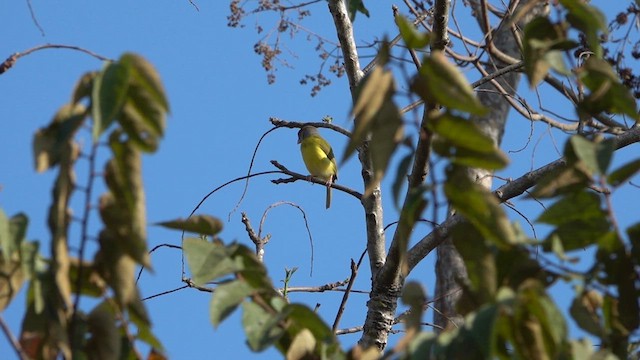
[{"x": 505, "y": 192}]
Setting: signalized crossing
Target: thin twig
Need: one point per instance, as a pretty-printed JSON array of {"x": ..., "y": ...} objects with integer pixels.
[
  {"x": 304, "y": 217},
  {"x": 12, "y": 339},
  {"x": 34, "y": 18},
  {"x": 84, "y": 230},
  {"x": 345, "y": 297},
  {"x": 297, "y": 176}
]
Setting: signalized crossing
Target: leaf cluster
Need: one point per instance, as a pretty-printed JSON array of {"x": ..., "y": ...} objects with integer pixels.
[{"x": 125, "y": 106}]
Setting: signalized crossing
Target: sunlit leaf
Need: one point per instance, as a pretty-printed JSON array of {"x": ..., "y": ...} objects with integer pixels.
[
  {"x": 413, "y": 38},
  {"x": 199, "y": 224},
  {"x": 226, "y": 299},
  {"x": 440, "y": 82},
  {"x": 302, "y": 345}
]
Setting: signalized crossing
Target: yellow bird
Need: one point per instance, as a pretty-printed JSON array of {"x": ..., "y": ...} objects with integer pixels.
[{"x": 318, "y": 157}]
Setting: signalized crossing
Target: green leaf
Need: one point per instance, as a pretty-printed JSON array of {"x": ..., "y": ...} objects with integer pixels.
[
  {"x": 479, "y": 259},
  {"x": 580, "y": 206},
  {"x": 401, "y": 178},
  {"x": 606, "y": 92},
  {"x": 199, "y": 224},
  {"x": 633, "y": 232},
  {"x": 104, "y": 342},
  {"x": 622, "y": 174},
  {"x": 577, "y": 235},
  {"x": 440, "y": 82},
  {"x": 490, "y": 161},
  {"x": 479, "y": 206},
  {"x": 461, "y": 133},
  {"x": 587, "y": 19},
  {"x": 421, "y": 347},
  {"x": 7, "y": 245},
  {"x": 464, "y": 143},
  {"x": 414, "y": 296},
  {"x": 11, "y": 279},
  {"x": 564, "y": 180},
  {"x": 260, "y": 327},
  {"x": 356, "y": 6},
  {"x": 596, "y": 155},
  {"x": 413, "y": 38},
  {"x": 303, "y": 317},
  {"x": 226, "y": 299},
  {"x": 543, "y": 46},
  {"x": 483, "y": 329},
  {"x": 145, "y": 76},
  {"x": 108, "y": 95},
  {"x": 208, "y": 261},
  {"x": 540, "y": 308}
]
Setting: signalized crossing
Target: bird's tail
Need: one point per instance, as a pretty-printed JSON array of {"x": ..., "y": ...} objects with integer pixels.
[{"x": 328, "y": 196}]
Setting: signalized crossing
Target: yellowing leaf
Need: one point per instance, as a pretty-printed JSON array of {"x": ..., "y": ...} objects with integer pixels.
[
  {"x": 51, "y": 143},
  {"x": 413, "y": 38},
  {"x": 374, "y": 92}
]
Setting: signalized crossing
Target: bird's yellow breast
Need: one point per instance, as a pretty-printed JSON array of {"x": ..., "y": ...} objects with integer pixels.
[{"x": 317, "y": 159}]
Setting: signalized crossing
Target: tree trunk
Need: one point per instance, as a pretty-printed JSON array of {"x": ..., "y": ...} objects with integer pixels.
[{"x": 450, "y": 267}]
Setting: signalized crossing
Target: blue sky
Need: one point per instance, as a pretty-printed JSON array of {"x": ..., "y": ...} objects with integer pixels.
[{"x": 220, "y": 106}]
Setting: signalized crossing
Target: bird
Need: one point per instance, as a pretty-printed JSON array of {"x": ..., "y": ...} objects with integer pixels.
[{"x": 318, "y": 157}]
